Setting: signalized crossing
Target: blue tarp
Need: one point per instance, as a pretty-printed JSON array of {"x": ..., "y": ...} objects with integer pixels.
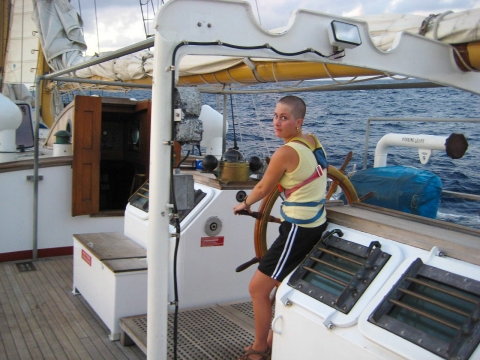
[{"x": 400, "y": 188}]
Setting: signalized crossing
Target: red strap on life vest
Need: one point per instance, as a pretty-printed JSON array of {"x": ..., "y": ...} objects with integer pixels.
[{"x": 316, "y": 174}]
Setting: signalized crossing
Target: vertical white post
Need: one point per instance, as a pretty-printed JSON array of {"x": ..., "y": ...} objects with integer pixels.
[{"x": 159, "y": 197}]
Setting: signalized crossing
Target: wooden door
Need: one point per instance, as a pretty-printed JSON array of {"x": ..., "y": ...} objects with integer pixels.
[
  {"x": 143, "y": 115},
  {"x": 86, "y": 155}
]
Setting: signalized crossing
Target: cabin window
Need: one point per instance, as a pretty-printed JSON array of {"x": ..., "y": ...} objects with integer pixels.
[
  {"x": 434, "y": 309},
  {"x": 338, "y": 271}
]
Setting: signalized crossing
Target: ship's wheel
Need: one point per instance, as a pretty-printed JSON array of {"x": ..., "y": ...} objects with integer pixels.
[{"x": 337, "y": 177}]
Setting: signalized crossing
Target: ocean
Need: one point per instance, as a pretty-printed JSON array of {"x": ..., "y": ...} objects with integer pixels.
[{"x": 339, "y": 119}]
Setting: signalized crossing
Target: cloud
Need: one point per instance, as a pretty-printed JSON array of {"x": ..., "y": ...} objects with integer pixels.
[
  {"x": 121, "y": 21},
  {"x": 275, "y": 13},
  {"x": 426, "y": 7},
  {"x": 355, "y": 12},
  {"x": 117, "y": 27}
]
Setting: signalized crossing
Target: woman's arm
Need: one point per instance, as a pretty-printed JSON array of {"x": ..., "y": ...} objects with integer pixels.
[{"x": 285, "y": 159}]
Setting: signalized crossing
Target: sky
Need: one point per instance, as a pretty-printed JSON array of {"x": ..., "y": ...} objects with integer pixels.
[{"x": 119, "y": 22}]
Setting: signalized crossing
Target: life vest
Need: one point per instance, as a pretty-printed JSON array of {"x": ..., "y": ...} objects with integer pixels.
[{"x": 322, "y": 164}]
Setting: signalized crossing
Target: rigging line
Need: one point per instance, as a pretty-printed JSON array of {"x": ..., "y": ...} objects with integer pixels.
[
  {"x": 262, "y": 127},
  {"x": 258, "y": 13},
  {"x": 239, "y": 124},
  {"x": 396, "y": 78},
  {"x": 143, "y": 17},
  {"x": 235, "y": 146},
  {"x": 278, "y": 82},
  {"x": 148, "y": 19},
  {"x": 96, "y": 22},
  {"x": 335, "y": 80},
  {"x": 21, "y": 51}
]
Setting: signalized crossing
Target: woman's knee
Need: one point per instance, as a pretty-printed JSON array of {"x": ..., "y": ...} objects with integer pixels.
[{"x": 261, "y": 285}]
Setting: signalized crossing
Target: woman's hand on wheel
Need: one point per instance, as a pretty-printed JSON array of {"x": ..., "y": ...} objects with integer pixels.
[{"x": 240, "y": 207}]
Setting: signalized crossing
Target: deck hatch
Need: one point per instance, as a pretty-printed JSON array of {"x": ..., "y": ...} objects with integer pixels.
[
  {"x": 25, "y": 266},
  {"x": 435, "y": 309},
  {"x": 338, "y": 271}
]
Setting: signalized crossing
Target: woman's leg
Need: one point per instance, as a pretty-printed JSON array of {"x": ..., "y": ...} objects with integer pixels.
[{"x": 260, "y": 288}]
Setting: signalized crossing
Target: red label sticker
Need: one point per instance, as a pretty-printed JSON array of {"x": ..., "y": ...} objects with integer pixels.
[
  {"x": 211, "y": 241},
  {"x": 86, "y": 257}
]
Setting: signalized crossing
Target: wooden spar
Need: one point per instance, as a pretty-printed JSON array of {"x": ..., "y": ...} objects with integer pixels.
[
  {"x": 272, "y": 71},
  {"x": 470, "y": 56}
]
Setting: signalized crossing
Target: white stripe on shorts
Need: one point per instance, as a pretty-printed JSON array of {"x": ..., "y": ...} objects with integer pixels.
[{"x": 286, "y": 251}]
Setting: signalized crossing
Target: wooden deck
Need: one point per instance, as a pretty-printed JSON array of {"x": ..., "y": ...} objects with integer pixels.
[{"x": 40, "y": 318}]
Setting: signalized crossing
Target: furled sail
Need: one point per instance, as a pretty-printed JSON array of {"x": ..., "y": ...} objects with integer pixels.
[
  {"x": 61, "y": 36},
  {"x": 450, "y": 27}
]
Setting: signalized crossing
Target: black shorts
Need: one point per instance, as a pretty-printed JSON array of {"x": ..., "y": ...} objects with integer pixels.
[{"x": 289, "y": 249}]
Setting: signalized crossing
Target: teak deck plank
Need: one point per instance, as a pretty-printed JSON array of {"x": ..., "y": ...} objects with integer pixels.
[
  {"x": 40, "y": 318},
  {"x": 53, "y": 348},
  {"x": 52, "y": 320},
  {"x": 8, "y": 345},
  {"x": 18, "y": 328},
  {"x": 81, "y": 333},
  {"x": 46, "y": 339}
]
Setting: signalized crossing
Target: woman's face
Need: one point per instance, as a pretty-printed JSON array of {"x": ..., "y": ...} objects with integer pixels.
[{"x": 284, "y": 123}]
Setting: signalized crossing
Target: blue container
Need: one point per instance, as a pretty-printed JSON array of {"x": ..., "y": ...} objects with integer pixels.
[
  {"x": 198, "y": 164},
  {"x": 400, "y": 188}
]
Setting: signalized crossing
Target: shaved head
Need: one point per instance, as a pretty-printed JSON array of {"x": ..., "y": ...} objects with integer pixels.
[{"x": 297, "y": 106}]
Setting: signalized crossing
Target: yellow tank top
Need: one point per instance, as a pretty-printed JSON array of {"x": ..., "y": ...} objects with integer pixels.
[{"x": 314, "y": 191}]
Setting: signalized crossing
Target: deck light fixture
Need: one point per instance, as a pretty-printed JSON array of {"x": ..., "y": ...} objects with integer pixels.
[{"x": 343, "y": 35}]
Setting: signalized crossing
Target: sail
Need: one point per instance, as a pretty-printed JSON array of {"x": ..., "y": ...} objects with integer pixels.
[
  {"x": 450, "y": 27},
  {"x": 61, "y": 35},
  {"x": 22, "y": 45}
]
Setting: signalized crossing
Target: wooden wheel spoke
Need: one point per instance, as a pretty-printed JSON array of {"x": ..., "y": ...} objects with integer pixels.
[
  {"x": 332, "y": 189},
  {"x": 334, "y": 185}
]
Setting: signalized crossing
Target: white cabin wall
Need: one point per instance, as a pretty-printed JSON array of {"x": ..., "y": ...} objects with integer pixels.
[{"x": 55, "y": 223}]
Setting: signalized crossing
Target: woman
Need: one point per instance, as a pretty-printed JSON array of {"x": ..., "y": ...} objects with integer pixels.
[{"x": 295, "y": 168}]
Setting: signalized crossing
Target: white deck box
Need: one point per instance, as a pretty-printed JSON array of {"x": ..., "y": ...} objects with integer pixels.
[{"x": 110, "y": 272}]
